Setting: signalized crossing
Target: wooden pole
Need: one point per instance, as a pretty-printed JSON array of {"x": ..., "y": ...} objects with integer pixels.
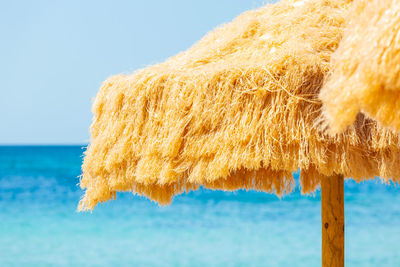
[{"x": 332, "y": 213}]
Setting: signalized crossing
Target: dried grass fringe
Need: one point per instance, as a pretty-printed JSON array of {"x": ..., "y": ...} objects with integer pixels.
[
  {"x": 366, "y": 67},
  {"x": 237, "y": 110}
]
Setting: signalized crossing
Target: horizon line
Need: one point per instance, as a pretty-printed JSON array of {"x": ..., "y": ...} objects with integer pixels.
[{"x": 44, "y": 144}]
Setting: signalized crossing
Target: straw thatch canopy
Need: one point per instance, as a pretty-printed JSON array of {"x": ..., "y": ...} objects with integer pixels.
[
  {"x": 366, "y": 67},
  {"x": 237, "y": 110}
]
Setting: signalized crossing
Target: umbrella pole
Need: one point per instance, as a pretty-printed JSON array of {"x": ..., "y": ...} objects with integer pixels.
[{"x": 332, "y": 214}]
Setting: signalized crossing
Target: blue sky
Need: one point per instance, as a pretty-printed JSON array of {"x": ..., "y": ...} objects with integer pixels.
[{"x": 55, "y": 54}]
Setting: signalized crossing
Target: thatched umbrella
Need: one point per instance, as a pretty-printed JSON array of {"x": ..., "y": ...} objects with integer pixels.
[
  {"x": 237, "y": 110},
  {"x": 366, "y": 67}
]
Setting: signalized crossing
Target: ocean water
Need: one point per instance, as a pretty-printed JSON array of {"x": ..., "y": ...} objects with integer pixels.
[{"x": 39, "y": 225}]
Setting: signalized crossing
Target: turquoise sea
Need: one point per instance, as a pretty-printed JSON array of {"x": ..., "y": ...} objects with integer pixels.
[{"x": 39, "y": 225}]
